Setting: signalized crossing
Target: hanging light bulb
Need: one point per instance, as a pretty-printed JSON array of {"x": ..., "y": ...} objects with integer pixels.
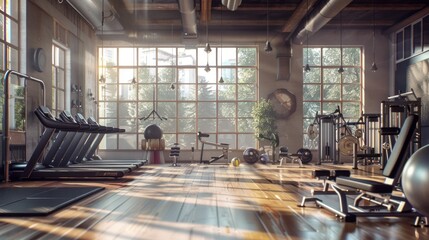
[
  {"x": 268, "y": 47},
  {"x": 172, "y": 86},
  {"x": 221, "y": 80},
  {"x": 133, "y": 81},
  {"x": 307, "y": 68},
  {"x": 374, "y": 67},
  {"x": 207, "y": 68},
  {"x": 341, "y": 69},
  {"x": 207, "y": 49},
  {"x": 102, "y": 79}
]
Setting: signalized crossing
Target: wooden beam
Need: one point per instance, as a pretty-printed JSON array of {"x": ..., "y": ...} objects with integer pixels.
[
  {"x": 298, "y": 15},
  {"x": 206, "y": 11}
]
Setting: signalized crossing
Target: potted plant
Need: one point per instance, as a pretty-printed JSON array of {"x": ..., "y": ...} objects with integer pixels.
[{"x": 264, "y": 123}]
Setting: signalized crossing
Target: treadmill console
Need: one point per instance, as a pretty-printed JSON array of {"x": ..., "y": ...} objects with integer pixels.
[
  {"x": 80, "y": 118},
  {"x": 67, "y": 117},
  {"x": 46, "y": 112}
]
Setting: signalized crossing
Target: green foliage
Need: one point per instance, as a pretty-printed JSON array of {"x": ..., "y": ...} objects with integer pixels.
[{"x": 264, "y": 120}]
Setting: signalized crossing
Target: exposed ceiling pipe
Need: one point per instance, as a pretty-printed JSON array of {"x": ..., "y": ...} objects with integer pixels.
[
  {"x": 90, "y": 10},
  {"x": 320, "y": 18},
  {"x": 189, "y": 18}
]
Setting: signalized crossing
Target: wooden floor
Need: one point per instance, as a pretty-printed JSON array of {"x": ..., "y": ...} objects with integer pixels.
[{"x": 204, "y": 202}]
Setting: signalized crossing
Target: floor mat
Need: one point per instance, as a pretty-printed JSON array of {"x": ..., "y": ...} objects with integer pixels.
[{"x": 40, "y": 201}]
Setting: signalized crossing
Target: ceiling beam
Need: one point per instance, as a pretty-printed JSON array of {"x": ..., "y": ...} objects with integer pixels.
[
  {"x": 298, "y": 15},
  {"x": 206, "y": 11},
  {"x": 385, "y": 7}
]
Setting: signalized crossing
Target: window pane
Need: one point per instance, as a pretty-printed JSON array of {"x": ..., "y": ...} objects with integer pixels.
[
  {"x": 246, "y": 56},
  {"x": 12, "y": 32},
  {"x": 351, "y": 92},
  {"x": 130, "y": 125},
  {"x": 206, "y": 109},
  {"x": 331, "y": 92},
  {"x": 227, "y": 92},
  {"x": 147, "y": 57},
  {"x": 206, "y": 77},
  {"x": 186, "y": 92},
  {"x": 186, "y": 140},
  {"x": 311, "y": 92},
  {"x": 167, "y": 56},
  {"x": 331, "y": 57},
  {"x": 311, "y": 108},
  {"x": 226, "y": 110},
  {"x": 187, "y": 125},
  {"x": 166, "y": 75},
  {"x": 111, "y": 75},
  {"x": 107, "y": 110},
  {"x": 127, "y": 110},
  {"x": 246, "y": 92},
  {"x": 165, "y": 92},
  {"x": 206, "y": 92},
  {"x": 186, "y": 110},
  {"x": 245, "y": 125},
  {"x": 228, "y": 75},
  {"x": 351, "y": 57},
  {"x": 187, "y": 75},
  {"x": 351, "y": 110},
  {"x": 246, "y": 140},
  {"x": 127, "y": 57},
  {"x": 145, "y": 92},
  {"x": 11, "y": 7},
  {"x": 110, "y": 141},
  {"x": 110, "y": 57},
  {"x": 126, "y": 75},
  {"x": 228, "y": 138},
  {"x": 331, "y": 75},
  {"x": 108, "y": 92},
  {"x": 204, "y": 58},
  {"x": 352, "y": 75},
  {"x": 313, "y": 55},
  {"x": 207, "y": 125},
  {"x": 167, "y": 109},
  {"x": 245, "y": 109},
  {"x": 246, "y": 75},
  {"x": 187, "y": 57},
  {"x": 330, "y": 107},
  {"x": 226, "y": 125},
  {"x": 227, "y": 57},
  {"x": 128, "y": 92},
  {"x": 127, "y": 141},
  {"x": 312, "y": 76},
  {"x": 147, "y": 75},
  {"x": 13, "y": 58}
]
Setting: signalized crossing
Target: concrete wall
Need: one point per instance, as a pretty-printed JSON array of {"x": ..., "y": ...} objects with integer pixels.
[{"x": 81, "y": 42}]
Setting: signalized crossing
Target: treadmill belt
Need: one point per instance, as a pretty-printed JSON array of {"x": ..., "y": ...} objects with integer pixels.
[{"x": 40, "y": 201}]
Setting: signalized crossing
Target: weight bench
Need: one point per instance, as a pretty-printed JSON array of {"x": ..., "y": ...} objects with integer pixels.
[{"x": 382, "y": 202}]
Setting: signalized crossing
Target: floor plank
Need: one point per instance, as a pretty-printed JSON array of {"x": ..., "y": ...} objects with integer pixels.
[{"x": 204, "y": 202}]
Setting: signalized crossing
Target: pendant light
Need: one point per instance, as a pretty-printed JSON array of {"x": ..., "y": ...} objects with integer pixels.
[
  {"x": 134, "y": 81},
  {"x": 221, "y": 43},
  {"x": 268, "y": 47},
  {"x": 207, "y": 48},
  {"x": 341, "y": 69},
  {"x": 102, "y": 77},
  {"x": 373, "y": 66},
  {"x": 307, "y": 66}
]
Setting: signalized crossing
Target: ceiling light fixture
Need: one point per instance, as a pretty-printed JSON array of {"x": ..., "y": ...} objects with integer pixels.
[
  {"x": 221, "y": 43},
  {"x": 207, "y": 49},
  {"x": 341, "y": 69},
  {"x": 102, "y": 78},
  {"x": 307, "y": 66},
  {"x": 231, "y": 4},
  {"x": 268, "y": 47},
  {"x": 134, "y": 81},
  {"x": 374, "y": 65}
]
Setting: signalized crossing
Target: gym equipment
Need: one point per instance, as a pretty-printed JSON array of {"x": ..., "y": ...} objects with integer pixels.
[
  {"x": 224, "y": 146},
  {"x": 251, "y": 155},
  {"x": 264, "y": 158},
  {"x": 152, "y": 131},
  {"x": 235, "y": 162},
  {"x": 302, "y": 156},
  {"x": 174, "y": 153},
  {"x": 379, "y": 200},
  {"x": 327, "y": 139},
  {"x": 33, "y": 170},
  {"x": 275, "y": 141},
  {"x": 415, "y": 180},
  {"x": 393, "y": 113}
]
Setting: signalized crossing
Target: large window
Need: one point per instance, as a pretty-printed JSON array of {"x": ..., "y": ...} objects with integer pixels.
[
  {"x": 9, "y": 59},
  {"x": 176, "y": 83},
  {"x": 325, "y": 89},
  {"x": 58, "y": 79}
]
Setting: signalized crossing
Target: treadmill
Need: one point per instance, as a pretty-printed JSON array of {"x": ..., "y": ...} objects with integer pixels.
[
  {"x": 33, "y": 170},
  {"x": 70, "y": 152}
]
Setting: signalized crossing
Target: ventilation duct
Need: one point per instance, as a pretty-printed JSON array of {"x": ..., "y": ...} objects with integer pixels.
[
  {"x": 231, "y": 4},
  {"x": 320, "y": 18},
  {"x": 90, "y": 10},
  {"x": 189, "y": 18}
]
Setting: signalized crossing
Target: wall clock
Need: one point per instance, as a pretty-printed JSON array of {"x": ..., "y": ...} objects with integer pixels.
[
  {"x": 39, "y": 59},
  {"x": 284, "y": 102}
]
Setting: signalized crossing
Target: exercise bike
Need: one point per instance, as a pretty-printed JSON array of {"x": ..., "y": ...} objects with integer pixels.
[{"x": 224, "y": 146}]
